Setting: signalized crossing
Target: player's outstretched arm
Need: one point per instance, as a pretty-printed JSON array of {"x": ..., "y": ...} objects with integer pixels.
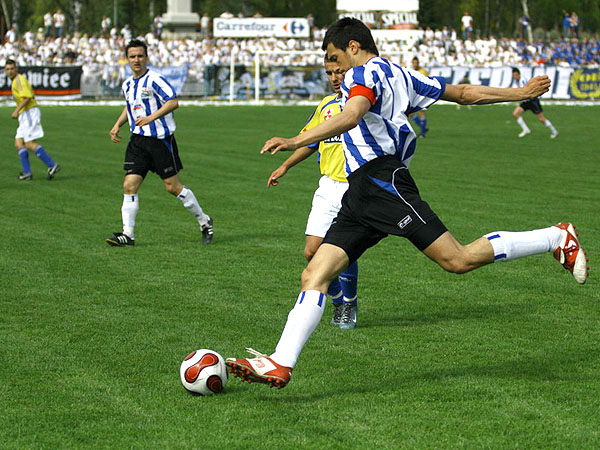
[
  {"x": 470, "y": 94},
  {"x": 114, "y": 132},
  {"x": 354, "y": 110},
  {"x": 298, "y": 156}
]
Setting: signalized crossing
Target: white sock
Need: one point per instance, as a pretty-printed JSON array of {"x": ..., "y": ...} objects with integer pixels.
[
  {"x": 190, "y": 203},
  {"x": 521, "y": 122},
  {"x": 302, "y": 321},
  {"x": 129, "y": 210},
  {"x": 510, "y": 245},
  {"x": 549, "y": 125}
]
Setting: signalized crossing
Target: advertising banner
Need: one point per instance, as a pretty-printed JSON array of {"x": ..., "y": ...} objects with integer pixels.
[
  {"x": 381, "y": 14},
  {"x": 568, "y": 83},
  {"x": 261, "y": 27},
  {"x": 48, "y": 81}
]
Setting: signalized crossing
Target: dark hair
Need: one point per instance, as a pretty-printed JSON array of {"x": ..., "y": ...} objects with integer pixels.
[
  {"x": 10, "y": 62},
  {"x": 415, "y": 58},
  {"x": 349, "y": 29},
  {"x": 136, "y": 43},
  {"x": 515, "y": 70}
]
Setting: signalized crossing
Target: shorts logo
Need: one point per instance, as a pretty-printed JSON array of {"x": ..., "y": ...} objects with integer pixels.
[
  {"x": 404, "y": 222},
  {"x": 167, "y": 169}
]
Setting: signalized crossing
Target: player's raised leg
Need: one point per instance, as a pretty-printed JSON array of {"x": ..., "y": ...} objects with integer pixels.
[
  {"x": 276, "y": 370},
  {"x": 189, "y": 201},
  {"x": 547, "y": 123},
  {"x": 498, "y": 246},
  {"x": 40, "y": 152}
]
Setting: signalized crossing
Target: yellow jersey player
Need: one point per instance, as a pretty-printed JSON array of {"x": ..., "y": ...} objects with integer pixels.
[
  {"x": 30, "y": 123},
  {"x": 420, "y": 118},
  {"x": 327, "y": 199}
]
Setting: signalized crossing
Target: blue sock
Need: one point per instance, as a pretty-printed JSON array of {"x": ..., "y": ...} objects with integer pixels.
[
  {"x": 349, "y": 280},
  {"x": 417, "y": 120},
  {"x": 423, "y": 126},
  {"x": 45, "y": 157},
  {"x": 24, "y": 155},
  {"x": 335, "y": 292}
]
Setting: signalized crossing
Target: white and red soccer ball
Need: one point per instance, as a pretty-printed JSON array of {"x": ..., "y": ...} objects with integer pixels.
[{"x": 203, "y": 372}]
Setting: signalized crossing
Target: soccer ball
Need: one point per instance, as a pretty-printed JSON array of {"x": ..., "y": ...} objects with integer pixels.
[{"x": 203, "y": 372}]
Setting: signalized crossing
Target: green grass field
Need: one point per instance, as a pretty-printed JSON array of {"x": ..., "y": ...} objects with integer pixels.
[{"x": 92, "y": 336}]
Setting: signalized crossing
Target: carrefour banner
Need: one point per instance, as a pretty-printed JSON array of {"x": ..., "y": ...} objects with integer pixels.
[
  {"x": 574, "y": 83},
  {"x": 48, "y": 81},
  {"x": 175, "y": 75},
  {"x": 261, "y": 27}
]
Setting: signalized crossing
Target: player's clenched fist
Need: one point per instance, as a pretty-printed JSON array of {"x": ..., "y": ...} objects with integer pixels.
[{"x": 537, "y": 86}]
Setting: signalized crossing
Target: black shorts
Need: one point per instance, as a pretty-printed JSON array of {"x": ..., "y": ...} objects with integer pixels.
[
  {"x": 382, "y": 199},
  {"x": 532, "y": 105},
  {"x": 146, "y": 153}
]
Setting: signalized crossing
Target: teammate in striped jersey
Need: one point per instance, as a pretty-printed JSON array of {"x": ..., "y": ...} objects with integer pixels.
[
  {"x": 532, "y": 105},
  {"x": 30, "y": 123},
  {"x": 150, "y": 102},
  {"x": 327, "y": 199},
  {"x": 382, "y": 197}
]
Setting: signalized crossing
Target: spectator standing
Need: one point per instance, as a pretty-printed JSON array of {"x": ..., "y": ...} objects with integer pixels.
[
  {"x": 574, "y": 25},
  {"x": 524, "y": 21},
  {"x": 11, "y": 35},
  {"x": 566, "y": 25},
  {"x": 467, "y": 26},
  {"x": 105, "y": 26},
  {"x": 59, "y": 23},
  {"x": 158, "y": 26},
  {"x": 48, "y": 25},
  {"x": 205, "y": 26},
  {"x": 226, "y": 15}
]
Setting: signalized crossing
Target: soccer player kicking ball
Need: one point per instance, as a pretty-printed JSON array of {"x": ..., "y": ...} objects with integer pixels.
[
  {"x": 30, "y": 124},
  {"x": 327, "y": 200},
  {"x": 532, "y": 105},
  {"x": 151, "y": 101},
  {"x": 382, "y": 197}
]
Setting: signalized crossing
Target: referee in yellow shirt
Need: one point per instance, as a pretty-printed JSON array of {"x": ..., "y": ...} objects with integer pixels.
[
  {"x": 30, "y": 123},
  {"x": 327, "y": 199}
]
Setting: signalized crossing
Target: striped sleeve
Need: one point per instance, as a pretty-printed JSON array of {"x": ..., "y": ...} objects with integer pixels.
[
  {"x": 424, "y": 91},
  {"x": 366, "y": 76},
  {"x": 163, "y": 88}
]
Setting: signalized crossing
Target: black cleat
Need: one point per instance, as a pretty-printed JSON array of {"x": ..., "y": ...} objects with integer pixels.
[
  {"x": 119, "y": 240},
  {"x": 53, "y": 171},
  {"x": 25, "y": 176},
  {"x": 207, "y": 232}
]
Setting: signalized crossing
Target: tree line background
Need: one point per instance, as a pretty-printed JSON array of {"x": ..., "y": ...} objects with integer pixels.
[{"x": 491, "y": 17}]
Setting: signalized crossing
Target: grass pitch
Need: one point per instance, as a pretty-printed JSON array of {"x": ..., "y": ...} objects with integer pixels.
[{"x": 92, "y": 336}]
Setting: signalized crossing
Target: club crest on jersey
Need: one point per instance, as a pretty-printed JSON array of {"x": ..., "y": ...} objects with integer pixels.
[
  {"x": 328, "y": 114},
  {"x": 145, "y": 93}
]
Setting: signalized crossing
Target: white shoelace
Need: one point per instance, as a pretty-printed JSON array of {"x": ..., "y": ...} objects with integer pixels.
[{"x": 255, "y": 353}]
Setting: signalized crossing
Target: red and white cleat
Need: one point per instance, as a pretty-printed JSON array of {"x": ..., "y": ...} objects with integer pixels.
[
  {"x": 261, "y": 369},
  {"x": 570, "y": 254}
]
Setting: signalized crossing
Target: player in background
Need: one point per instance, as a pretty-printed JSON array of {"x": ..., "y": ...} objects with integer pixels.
[
  {"x": 30, "y": 124},
  {"x": 327, "y": 199},
  {"x": 382, "y": 197},
  {"x": 532, "y": 105},
  {"x": 151, "y": 101},
  {"x": 420, "y": 118}
]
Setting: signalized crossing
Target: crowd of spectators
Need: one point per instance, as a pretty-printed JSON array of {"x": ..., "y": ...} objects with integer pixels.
[{"x": 435, "y": 48}]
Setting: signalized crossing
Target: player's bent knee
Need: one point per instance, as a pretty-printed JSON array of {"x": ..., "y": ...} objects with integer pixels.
[{"x": 309, "y": 252}]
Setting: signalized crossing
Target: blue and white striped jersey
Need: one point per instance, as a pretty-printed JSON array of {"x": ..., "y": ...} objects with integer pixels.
[
  {"x": 385, "y": 128},
  {"x": 144, "y": 96}
]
